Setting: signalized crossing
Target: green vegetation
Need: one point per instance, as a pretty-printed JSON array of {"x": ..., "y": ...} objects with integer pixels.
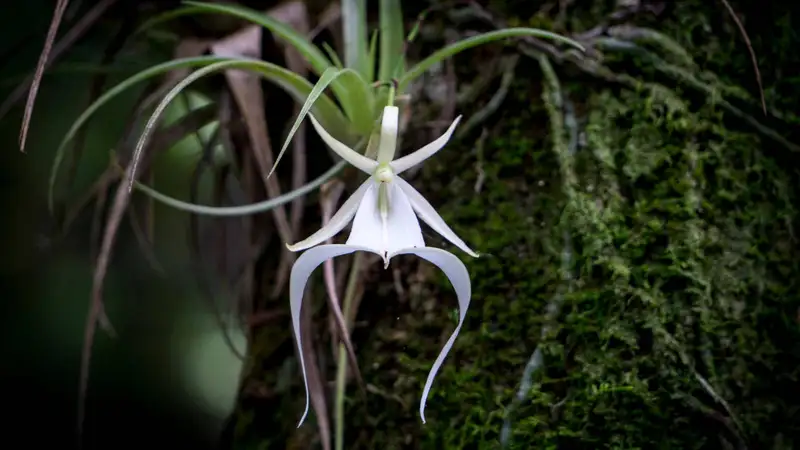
[{"x": 661, "y": 224}]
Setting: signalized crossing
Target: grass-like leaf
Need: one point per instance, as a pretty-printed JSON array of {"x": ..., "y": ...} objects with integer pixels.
[
  {"x": 326, "y": 109},
  {"x": 474, "y": 41},
  {"x": 299, "y": 88},
  {"x": 359, "y": 99},
  {"x": 354, "y": 28},
  {"x": 255, "y": 208},
  {"x": 315, "y": 57},
  {"x": 392, "y": 60}
]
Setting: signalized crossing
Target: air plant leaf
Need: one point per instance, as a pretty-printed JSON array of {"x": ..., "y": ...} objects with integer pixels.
[
  {"x": 315, "y": 57},
  {"x": 373, "y": 49},
  {"x": 392, "y": 38},
  {"x": 292, "y": 83},
  {"x": 458, "y": 47},
  {"x": 354, "y": 28},
  {"x": 112, "y": 93},
  {"x": 355, "y": 85},
  {"x": 243, "y": 210},
  {"x": 327, "y": 111},
  {"x": 332, "y": 55}
]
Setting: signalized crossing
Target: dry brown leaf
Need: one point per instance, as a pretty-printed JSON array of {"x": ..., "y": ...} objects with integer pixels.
[
  {"x": 58, "y": 15},
  {"x": 49, "y": 54},
  {"x": 753, "y": 60},
  {"x": 316, "y": 386},
  {"x": 249, "y": 97},
  {"x": 163, "y": 138},
  {"x": 96, "y": 90},
  {"x": 295, "y": 14}
]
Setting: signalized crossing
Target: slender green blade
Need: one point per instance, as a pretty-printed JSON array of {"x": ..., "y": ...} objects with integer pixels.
[
  {"x": 350, "y": 80},
  {"x": 332, "y": 55},
  {"x": 327, "y": 111},
  {"x": 243, "y": 210},
  {"x": 282, "y": 77},
  {"x": 392, "y": 60},
  {"x": 373, "y": 49},
  {"x": 354, "y": 28},
  {"x": 318, "y": 61},
  {"x": 316, "y": 58},
  {"x": 474, "y": 41},
  {"x": 357, "y": 101}
]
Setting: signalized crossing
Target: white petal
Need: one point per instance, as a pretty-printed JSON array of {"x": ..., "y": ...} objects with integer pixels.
[
  {"x": 348, "y": 154},
  {"x": 430, "y": 216},
  {"x": 459, "y": 278},
  {"x": 388, "y": 143},
  {"x": 400, "y": 165},
  {"x": 301, "y": 271},
  {"x": 337, "y": 223},
  {"x": 401, "y": 229}
]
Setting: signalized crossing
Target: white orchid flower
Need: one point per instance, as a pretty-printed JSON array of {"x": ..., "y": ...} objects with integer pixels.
[{"x": 385, "y": 208}]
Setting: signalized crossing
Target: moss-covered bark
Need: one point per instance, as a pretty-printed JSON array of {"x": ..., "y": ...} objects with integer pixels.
[{"x": 644, "y": 225}]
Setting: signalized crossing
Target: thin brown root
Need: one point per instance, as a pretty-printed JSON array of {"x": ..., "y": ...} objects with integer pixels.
[
  {"x": 750, "y": 50},
  {"x": 327, "y": 204},
  {"x": 58, "y": 15}
]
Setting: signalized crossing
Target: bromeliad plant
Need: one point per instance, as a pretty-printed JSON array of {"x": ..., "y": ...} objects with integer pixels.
[
  {"x": 358, "y": 88},
  {"x": 384, "y": 208}
]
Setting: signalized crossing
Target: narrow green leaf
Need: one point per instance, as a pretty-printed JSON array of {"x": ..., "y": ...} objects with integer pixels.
[
  {"x": 316, "y": 58},
  {"x": 332, "y": 55},
  {"x": 165, "y": 17},
  {"x": 392, "y": 37},
  {"x": 356, "y": 100},
  {"x": 327, "y": 111},
  {"x": 474, "y": 41},
  {"x": 282, "y": 77},
  {"x": 373, "y": 48},
  {"x": 313, "y": 55},
  {"x": 255, "y": 208},
  {"x": 354, "y": 26}
]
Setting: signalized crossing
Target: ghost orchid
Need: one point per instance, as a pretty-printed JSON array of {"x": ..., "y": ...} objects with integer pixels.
[{"x": 384, "y": 212}]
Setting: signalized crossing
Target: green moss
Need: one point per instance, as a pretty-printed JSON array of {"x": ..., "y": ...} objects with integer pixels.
[
  {"x": 660, "y": 223},
  {"x": 682, "y": 297}
]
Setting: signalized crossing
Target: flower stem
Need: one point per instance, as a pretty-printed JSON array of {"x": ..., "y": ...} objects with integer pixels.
[
  {"x": 341, "y": 369},
  {"x": 392, "y": 93}
]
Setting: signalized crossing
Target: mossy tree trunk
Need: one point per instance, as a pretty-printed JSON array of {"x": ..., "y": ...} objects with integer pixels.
[{"x": 640, "y": 270}]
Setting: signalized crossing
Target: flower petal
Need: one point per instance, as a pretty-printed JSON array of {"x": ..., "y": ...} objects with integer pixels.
[
  {"x": 400, "y": 165},
  {"x": 388, "y": 143},
  {"x": 430, "y": 216},
  {"x": 348, "y": 154},
  {"x": 459, "y": 278},
  {"x": 400, "y": 229},
  {"x": 337, "y": 223},
  {"x": 301, "y": 271}
]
